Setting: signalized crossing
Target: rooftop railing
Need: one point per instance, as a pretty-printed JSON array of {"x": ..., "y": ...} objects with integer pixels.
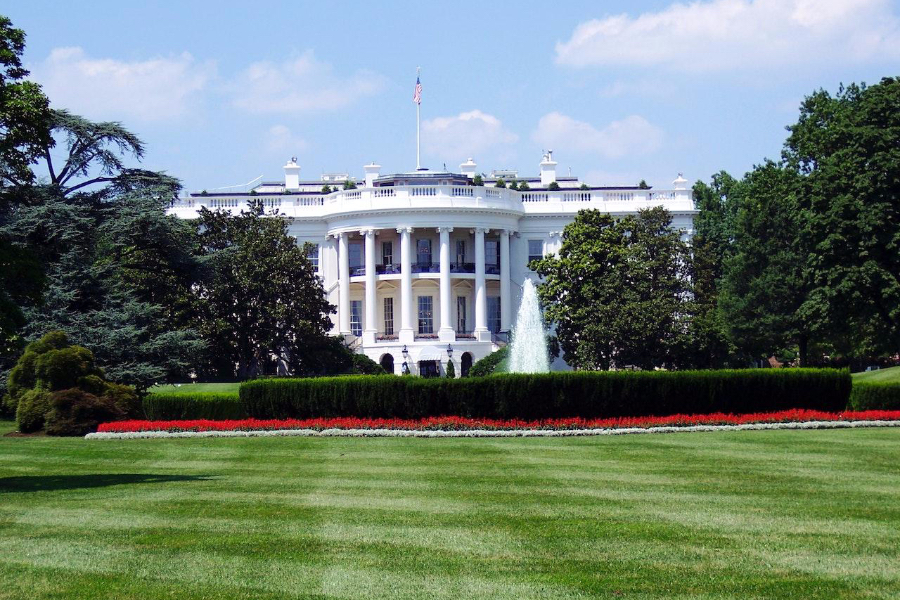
[{"x": 416, "y": 196}]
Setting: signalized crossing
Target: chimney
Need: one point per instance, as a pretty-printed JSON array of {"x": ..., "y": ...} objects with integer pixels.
[
  {"x": 292, "y": 175},
  {"x": 468, "y": 168},
  {"x": 372, "y": 172},
  {"x": 548, "y": 169}
]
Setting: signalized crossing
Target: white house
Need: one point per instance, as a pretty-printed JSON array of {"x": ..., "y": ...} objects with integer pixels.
[{"x": 426, "y": 267}]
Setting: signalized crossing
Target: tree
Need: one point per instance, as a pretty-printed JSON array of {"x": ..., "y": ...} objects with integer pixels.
[
  {"x": 766, "y": 280},
  {"x": 500, "y": 183},
  {"x": 478, "y": 180},
  {"x": 24, "y": 114},
  {"x": 349, "y": 185},
  {"x": 326, "y": 189},
  {"x": 643, "y": 185},
  {"x": 618, "y": 291},
  {"x": 523, "y": 186},
  {"x": 846, "y": 150},
  {"x": 584, "y": 186},
  {"x": 264, "y": 304},
  {"x": 450, "y": 372},
  {"x": 553, "y": 186},
  {"x": 117, "y": 267}
]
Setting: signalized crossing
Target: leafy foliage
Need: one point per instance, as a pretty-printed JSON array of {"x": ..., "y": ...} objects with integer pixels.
[
  {"x": 490, "y": 363},
  {"x": 874, "y": 396},
  {"x": 59, "y": 385},
  {"x": 619, "y": 292},
  {"x": 197, "y": 405},
  {"x": 264, "y": 304}
]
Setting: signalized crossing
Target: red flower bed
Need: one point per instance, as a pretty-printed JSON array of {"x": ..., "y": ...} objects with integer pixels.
[{"x": 463, "y": 424}]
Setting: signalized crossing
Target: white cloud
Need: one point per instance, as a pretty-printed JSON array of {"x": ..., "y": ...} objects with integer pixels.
[
  {"x": 302, "y": 84},
  {"x": 105, "y": 88},
  {"x": 644, "y": 87},
  {"x": 745, "y": 34},
  {"x": 468, "y": 134},
  {"x": 632, "y": 135},
  {"x": 280, "y": 139}
]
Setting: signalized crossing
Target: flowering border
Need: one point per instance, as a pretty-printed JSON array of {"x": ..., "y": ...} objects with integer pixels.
[{"x": 463, "y": 427}]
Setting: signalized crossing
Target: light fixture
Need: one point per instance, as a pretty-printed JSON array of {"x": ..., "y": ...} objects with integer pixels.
[
  {"x": 405, "y": 352},
  {"x": 405, "y": 368},
  {"x": 449, "y": 351}
]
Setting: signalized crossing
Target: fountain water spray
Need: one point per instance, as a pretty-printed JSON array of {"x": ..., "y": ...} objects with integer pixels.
[{"x": 528, "y": 348}]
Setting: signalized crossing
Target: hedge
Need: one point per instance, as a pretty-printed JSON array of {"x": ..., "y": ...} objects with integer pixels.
[
  {"x": 551, "y": 395},
  {"x": 874, "y": 396},
  {"x": 197, "y": 405}
]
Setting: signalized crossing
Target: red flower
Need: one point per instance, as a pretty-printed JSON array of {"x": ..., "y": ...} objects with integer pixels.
[{"x": 452, "y": 423}]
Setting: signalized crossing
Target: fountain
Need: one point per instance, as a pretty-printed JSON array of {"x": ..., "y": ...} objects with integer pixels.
[{"x": 528, "y": 347}]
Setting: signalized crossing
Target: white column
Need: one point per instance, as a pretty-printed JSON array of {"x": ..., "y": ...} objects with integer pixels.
[
  {"x": 370, "y": 326},
  {"x": 406, "y": 335},
  {"x": 481, "y": 331},
  {"x": 344, "y": 283},
  {"x": 505, "y": 302},
  {"x": 446, "y": 332}
]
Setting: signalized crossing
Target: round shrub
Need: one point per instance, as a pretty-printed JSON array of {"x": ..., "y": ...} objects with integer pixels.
[
  {"x": 31, "y": 410},
  {"x": 76, "y": 412},
  {"x": 125, "y": 399},
  {"x": 364, "y": 365}
]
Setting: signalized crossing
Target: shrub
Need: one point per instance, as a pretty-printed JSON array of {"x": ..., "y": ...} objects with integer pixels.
[
  {"x": 199, "y": 405},
  {"x": 874, "y": 396},
  {"x": 489, "y": 363},
  {"x": 363, "y": 365},
  {"x": 500, "y": 183},
  {"x": 553, "y": 186},
  {"x": 77, "y": 412},
  {"x": 551, "y": 395},
  {"x": 51, "y": 365},
  {"x": 451, "y": 370},
  {"x": 32, "y": 407},
  {"x": 478, "y": 180}
]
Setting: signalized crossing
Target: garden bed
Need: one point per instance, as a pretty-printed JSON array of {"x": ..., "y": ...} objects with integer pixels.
[{"x": 465, "y": 427}]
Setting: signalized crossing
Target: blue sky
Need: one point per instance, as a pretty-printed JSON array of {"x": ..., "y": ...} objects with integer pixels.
[{"x": 224, "y": 92}]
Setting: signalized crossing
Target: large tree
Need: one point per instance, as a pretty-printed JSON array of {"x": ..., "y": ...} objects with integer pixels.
[
  {"x": 118, "y": 269},
  {"x": 263, "y": 305},
  {"x": 766, "y": 277},
  {"x": 618, "y": 291},
  {"x": 846, "y": 149}
]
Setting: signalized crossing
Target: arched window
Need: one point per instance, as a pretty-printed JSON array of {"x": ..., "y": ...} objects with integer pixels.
[
  {"x": 387, "y": 363},
  {"x": 466, "y": 364}
]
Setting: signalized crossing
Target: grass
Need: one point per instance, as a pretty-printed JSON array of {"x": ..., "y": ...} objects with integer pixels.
[
  {"x": 781, "y": 514},
  {"x": 191, "y": 388},
  {"x": 889, "y": 375}
]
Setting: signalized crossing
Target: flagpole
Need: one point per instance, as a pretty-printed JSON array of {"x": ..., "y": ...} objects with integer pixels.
[{"x": 418, "y": 108}]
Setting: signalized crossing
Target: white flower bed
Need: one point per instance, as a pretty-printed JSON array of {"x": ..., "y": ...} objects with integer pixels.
[{"x": 478, "y": 433}]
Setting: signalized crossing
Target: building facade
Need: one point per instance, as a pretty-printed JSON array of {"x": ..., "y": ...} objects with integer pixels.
[{"x": 426, "y": 267}]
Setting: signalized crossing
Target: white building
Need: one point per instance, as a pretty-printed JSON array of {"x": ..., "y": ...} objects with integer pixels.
[{"x": 426, "y": 267}]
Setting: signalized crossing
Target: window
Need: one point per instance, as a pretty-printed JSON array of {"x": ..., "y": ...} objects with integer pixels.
[
  {"x": 356, "y": 317},
  {"x": 493, "y": 313},
  {"x": 423, "y": 252},
  {"x": 387, "y": 253},
  {"x": 426, "y": 314},
  {"x": 389, "y": 316},
  {"x": 461, "y": 314},
  {"x": 356, "y": 254},
  {"x": 535, "y": 250},
  {"x": 492, "y": 253},
  {"x": 313, "y": 255},
  {"x": 460, "y": 251}
]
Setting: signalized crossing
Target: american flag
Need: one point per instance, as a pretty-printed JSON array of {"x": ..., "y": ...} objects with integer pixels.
[{"x": 417, "y": 97}]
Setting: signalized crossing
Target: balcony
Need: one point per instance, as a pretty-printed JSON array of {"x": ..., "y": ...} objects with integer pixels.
[
  {"x": 426, "y": 268},
  {"x": 387, "y": 269},
  {"x": 492, "y": 269},
  {"x": 462, "y": 267}
]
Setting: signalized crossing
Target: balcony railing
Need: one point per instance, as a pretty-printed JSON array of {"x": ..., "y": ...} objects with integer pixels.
[
  {"x": 426, "y": 268},
  {"x": 492, "y": 269},
  {"x": 387, "y": 269},
  {"x": 462, "y": 267}
]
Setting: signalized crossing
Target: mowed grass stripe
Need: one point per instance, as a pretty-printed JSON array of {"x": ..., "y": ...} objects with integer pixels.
[{"x": 697, "y": 516}]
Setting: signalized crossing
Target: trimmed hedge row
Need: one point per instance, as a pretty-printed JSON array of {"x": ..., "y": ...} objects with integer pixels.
[
  {"x": 874, "y": 396},
  {"x": 552, "y": 395},
  {"x": 197, "y": 405}
]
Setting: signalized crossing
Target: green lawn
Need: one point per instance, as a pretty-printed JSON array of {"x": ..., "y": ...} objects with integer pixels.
[
  {"x": 190, "y": 388},
  {"x": 891, "y": 375},
  {"x": 779, "y": 514}
]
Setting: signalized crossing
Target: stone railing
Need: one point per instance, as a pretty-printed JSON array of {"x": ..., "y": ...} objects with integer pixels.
[{"x": 440, "y": 196}]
